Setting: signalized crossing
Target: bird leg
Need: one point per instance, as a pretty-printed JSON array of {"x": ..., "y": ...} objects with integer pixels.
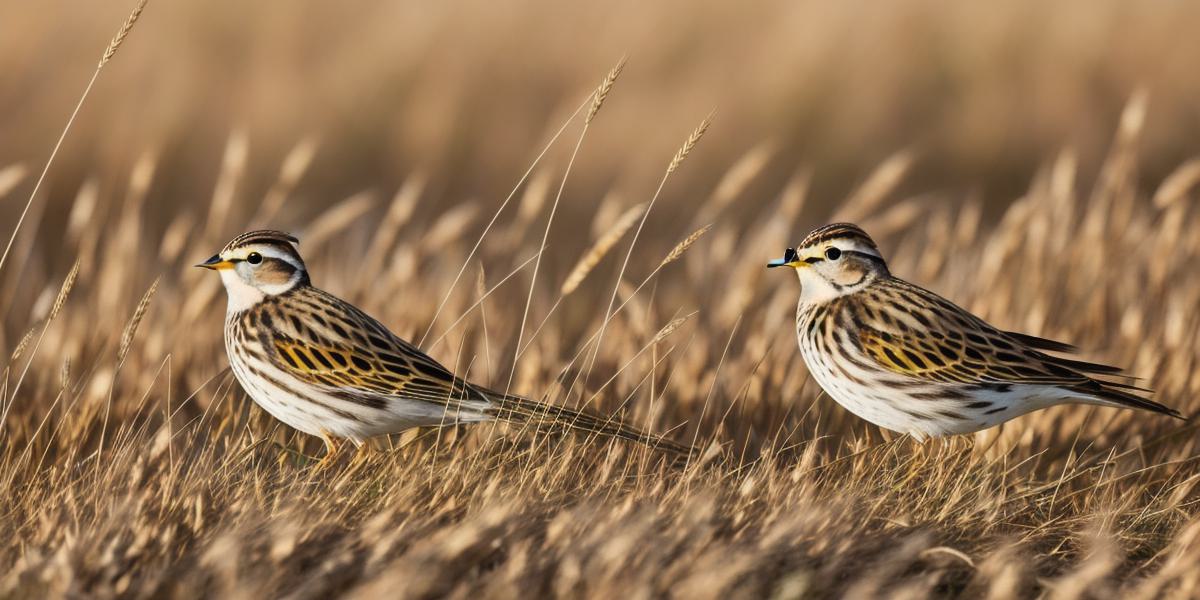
[
  {"x": 331, "y": 448},
  {"x": 361, "y": 452}
]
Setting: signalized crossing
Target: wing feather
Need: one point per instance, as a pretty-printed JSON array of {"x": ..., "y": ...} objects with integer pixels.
[
  {"x": 1041, "y": 343},
  {"x": 384, "y": 367},
  {"x": 953, "y": 345}
]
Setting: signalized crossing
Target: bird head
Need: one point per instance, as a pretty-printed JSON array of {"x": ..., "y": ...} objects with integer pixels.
[
  {"x": 832, "y": 261},
  {"x": 258, "y": 264}
]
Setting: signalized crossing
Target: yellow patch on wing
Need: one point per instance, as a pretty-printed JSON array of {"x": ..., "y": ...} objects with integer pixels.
[
  {"x": 959, "y": 361},
  {"x": 359, "y": 371},
  {"x": 903, "y": 356},
  {"x": 308, "y": 358},
  {"x": 921, "y": 335}
]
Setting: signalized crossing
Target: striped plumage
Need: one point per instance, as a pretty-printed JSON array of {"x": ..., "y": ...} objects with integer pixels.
[
  {"x": 324, "y": 367},
  {"x": 911, "y": 361}
]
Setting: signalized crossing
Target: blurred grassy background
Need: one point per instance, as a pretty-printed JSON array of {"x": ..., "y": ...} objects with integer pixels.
[
  {"x": 466, "y": 90},
  {"x": 992, "y": 149}
]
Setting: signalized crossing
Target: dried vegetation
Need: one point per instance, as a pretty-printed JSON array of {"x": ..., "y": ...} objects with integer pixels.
[{"x": 133, "y": 465}]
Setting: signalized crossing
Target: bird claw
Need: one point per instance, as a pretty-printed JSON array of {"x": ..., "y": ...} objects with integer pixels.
[{"x": 331, "y": 450}]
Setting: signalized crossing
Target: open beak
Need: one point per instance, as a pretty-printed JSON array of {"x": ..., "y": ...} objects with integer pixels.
[
  {"x": 790, "y": 259},
  {"x": 216, "y": 264}
]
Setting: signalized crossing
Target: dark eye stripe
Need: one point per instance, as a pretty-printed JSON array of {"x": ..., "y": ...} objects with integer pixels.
[
  {"x": 274, "y": 271},
  {"x": 866, "y": 255}
]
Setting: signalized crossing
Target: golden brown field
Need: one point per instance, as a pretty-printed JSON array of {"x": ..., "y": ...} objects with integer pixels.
[{"x": 1035, "y": 163}]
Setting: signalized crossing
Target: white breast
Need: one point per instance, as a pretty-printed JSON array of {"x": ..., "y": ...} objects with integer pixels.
[
  {"x": 876, "y": 395},
  {"x": 306, "y": 407}
]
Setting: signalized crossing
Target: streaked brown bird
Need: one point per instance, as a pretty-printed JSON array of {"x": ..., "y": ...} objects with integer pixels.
[
  {"x": 908, "y": 360},
  {"x": 324, "y": 367}
]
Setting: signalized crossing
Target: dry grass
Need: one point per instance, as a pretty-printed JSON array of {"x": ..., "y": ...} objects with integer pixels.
[
  {"x": 196, "y": 491},
  {"x": 133, "y": 465}
]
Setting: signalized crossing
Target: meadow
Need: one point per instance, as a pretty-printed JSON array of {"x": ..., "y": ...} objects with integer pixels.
[{"x": 487, "y": 182}]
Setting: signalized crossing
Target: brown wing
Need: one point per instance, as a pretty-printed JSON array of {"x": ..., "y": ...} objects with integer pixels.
[
  {"x": 332, "y": 344},
  {"x": 912, "y": 331},
  {"x": 920, "y": 334}
]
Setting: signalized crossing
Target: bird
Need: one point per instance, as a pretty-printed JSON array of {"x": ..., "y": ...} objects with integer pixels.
[
  {"x": 908, "y": 360},
  {"x": 326, "y": 368}
]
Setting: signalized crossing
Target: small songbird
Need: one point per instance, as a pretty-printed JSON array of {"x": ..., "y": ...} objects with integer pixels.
[
  {"x": 324, "y": 367},
  {"x": 911, "y": 361}
]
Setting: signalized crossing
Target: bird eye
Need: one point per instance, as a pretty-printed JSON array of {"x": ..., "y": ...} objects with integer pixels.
[
  {"x": 833, "y": 253},
  {"x": 254, "y": 258}
]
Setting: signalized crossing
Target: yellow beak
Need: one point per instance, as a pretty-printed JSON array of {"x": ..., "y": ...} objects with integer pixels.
[
  {"x": 216, "y": 264},
  {"x": 790, "y": 259}
]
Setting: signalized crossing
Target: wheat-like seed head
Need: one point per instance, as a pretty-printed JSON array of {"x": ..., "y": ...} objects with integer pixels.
[
  {"x": 896, "y": 218},
  {"x": 1133, "y": 117},
  {"x": 21, "y": 345},
  {"x": 63, "y": 292},
  {"x": 293, "y": 167},
  {"x": 337, "y": 218},
  {"x": 64, "y": 374},
  {"x": 735, "y": 180},
  {"x": 596, "y": 253},
  {"x": 670, "y": 327},
  {"x": 121, "y": 34},
  {"x": 682, "y": 246},
  {"x": 176, "y": 237},
  {"x": 689, "y": 144},
  {"x": 450, "y": 226},
  {"x": 388, "y": 230},
  {"x": 602, "y": 92},
  {"x": 1177, "y": 184},
  {"x": 875, "y": 189},
  {"x": 83, "y": 209},
  {"x": 132, "y": 327}
]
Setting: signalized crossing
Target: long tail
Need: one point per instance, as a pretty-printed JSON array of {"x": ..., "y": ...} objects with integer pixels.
[
  {"x": 1097, "y": 391},
  {"x": 515, "y": 409},
  {"x": 1117, "y": 394}
]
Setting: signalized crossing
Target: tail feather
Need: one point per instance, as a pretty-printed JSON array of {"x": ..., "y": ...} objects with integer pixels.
[
  {"x": 1082, "y": 366},
  {"x": 515, "y": 409},
  {"x": 1041, "y": 343},
  {"x": 1109, "y": 393},
  {"x": 1127, "y": 386},
  {"x": 1087, "y": 367}
]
